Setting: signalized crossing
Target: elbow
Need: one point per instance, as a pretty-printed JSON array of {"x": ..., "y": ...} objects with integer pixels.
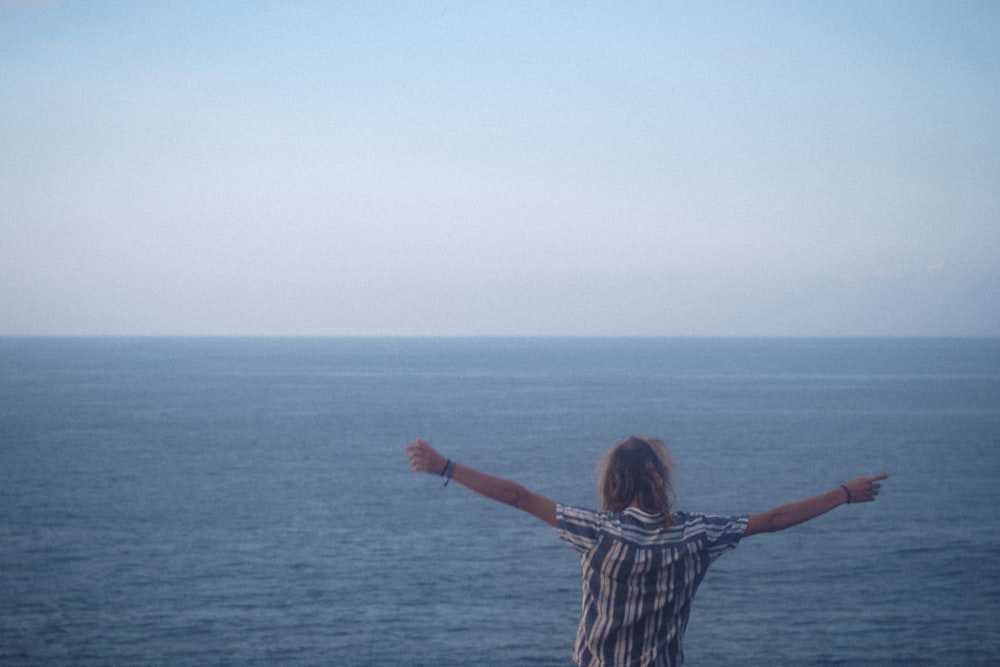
[
  {"x": 767, "y": 522},
  {"x": 513, "y": 495},
  {"x": 775, "y": 521},
  {"x": 773, "y": 525}
]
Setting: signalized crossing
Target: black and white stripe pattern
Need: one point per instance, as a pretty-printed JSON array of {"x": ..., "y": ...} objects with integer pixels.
[{"x": 639, "y": 579}]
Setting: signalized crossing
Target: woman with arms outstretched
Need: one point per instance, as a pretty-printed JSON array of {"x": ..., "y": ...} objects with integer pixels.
[{"x": 642, "y": 562}]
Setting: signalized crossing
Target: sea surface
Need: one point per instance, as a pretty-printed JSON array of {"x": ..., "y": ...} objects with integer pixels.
[{"x": 231, "y": 501}]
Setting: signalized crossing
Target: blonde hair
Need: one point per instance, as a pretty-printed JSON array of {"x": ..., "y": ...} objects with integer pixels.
[{"x": 636, "y": 471}]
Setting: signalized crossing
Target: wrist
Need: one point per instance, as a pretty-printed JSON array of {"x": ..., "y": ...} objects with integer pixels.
[
  {"x": 847, "y": 492},
  {"x": 448, "y": 471}
]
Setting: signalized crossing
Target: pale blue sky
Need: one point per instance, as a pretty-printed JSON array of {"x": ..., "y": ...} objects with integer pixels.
[{"x": 505, "y": 168}]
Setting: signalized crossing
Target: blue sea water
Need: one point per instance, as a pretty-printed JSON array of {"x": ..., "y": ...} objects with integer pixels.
[{"x": 248, "y": 501}]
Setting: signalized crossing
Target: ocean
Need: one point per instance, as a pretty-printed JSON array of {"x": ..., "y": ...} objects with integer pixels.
[{"x": 245, "y": 501}]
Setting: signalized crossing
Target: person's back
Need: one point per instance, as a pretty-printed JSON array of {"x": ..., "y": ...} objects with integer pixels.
[
  {"x": 639, "y": 578},
  {"x": 641, "y": 561}
]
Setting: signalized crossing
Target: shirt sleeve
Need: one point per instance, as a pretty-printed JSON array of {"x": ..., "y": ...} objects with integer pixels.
[
  {"x": 723, "y": 533},
  {"x": 578, "y": 526}
]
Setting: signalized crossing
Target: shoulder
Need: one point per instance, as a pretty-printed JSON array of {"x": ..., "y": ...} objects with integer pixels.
[
  {"x": 579, "y": 526},
  {"x": 714, "y": 530},
  {"x": 701, "y": 519},
  {"x": 578, "y": 515}
]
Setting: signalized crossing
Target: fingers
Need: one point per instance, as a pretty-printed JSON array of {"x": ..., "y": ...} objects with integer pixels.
[
  {"x": 417, "y": 456},
  {"x": 420, "y": 455},
  {"x": 873, "y": 484},
  {"x": 864, "y": 489}
]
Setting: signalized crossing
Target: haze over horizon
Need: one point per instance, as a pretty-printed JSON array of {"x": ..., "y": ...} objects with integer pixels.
[{"x": 518, "y": 168}]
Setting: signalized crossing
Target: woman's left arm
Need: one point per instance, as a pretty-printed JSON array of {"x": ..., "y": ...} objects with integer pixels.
[
  {"x": 860, "y": 490},
  {"x": 424, "y": 458}
]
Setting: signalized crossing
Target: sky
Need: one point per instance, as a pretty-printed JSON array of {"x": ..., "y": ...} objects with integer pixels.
[{"x": 500, "y": 168}]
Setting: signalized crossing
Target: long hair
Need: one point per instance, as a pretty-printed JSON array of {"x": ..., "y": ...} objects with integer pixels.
[{"x": 636, "y": 471}]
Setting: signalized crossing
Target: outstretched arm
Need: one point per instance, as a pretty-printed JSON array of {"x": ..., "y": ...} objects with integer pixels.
[
  {"x": 424, "y": 458},
  {"x": 860, "y": 490}
]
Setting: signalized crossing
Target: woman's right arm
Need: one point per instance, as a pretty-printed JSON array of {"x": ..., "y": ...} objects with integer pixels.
[
  {"x": 424, "y": 458},
  {"x": 860, "y": 490}
]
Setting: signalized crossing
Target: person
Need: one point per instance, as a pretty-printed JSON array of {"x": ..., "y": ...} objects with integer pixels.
[{"x": 642, "y": 561}]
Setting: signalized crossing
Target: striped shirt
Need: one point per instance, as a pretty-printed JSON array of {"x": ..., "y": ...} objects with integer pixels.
[{"x": 639, "y": 580}]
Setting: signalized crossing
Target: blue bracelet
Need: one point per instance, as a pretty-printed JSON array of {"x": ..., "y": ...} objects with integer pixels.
[{"x": 848, "y": 492}]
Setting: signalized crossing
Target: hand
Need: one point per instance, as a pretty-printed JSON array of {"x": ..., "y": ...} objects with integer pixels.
[
  {"x": 424, "y": 458},
  {"x": 864, "y": 489}
]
